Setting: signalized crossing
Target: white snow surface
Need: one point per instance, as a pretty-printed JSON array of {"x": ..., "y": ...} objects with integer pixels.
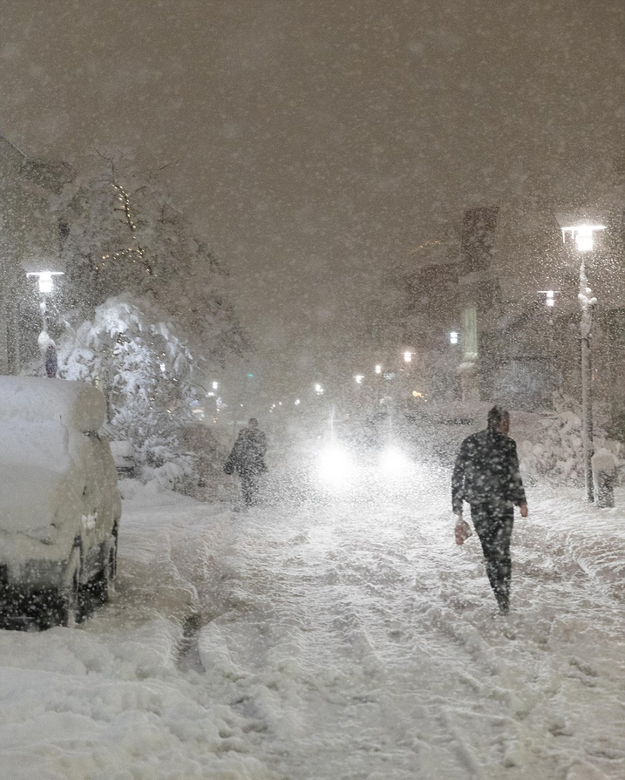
[
  {"x": 78, "y": 405},
  {"x": 343, "y": 640}
]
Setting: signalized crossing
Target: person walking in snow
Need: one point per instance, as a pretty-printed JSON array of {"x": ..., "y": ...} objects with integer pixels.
[
  {"x": 247, "y": 459},
  {"x": 486, "y": 475}
]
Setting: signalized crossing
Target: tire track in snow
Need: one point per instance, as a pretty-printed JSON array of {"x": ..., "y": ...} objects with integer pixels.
[{"x": 361, "y": 618}]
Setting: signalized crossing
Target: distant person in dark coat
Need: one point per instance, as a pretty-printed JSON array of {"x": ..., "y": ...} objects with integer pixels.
[
  {"x": 486, "y": 475},
  {"x": 247, "y": 459}
]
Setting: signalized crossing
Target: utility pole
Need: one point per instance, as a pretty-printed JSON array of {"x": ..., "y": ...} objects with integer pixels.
[{"x": 588, "y": 302}]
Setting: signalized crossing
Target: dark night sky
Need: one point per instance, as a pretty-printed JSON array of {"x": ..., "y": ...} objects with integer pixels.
[{"x": 314, "y": 142}]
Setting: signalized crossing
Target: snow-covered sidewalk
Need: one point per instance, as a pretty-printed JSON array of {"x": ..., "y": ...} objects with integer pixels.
[{"x": 346, "y": 640}]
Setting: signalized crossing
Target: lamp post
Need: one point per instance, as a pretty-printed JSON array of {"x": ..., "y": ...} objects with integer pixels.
[
  {"x": 46, "y": 344},
  {"x": 583, "y": 235}
]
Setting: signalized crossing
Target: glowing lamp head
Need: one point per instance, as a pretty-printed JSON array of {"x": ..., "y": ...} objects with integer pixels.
[
  {"x": 45, "y": 282},
  {"x": 44, "y": 279},
  {"x": 378, "y": 369},
  {"x": 550, "y": 297},
  {"x": 583, "y": 235},
  {"x": 408, "y": 356},
  {"x": 453, "y": 337}
]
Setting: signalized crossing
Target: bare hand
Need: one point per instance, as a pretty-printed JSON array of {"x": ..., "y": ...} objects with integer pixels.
[
  {"x": 462, "y": 530},
  {"x": 524, "y": 510}
]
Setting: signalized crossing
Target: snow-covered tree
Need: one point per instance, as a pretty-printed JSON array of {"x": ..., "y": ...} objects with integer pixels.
[
  {"x": 145, "y": 368},
  {"x": 124, "y": 234},
  {"x": 144, "y": 313}
]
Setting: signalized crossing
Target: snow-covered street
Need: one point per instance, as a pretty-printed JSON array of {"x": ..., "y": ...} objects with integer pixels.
[
  {"x": 348, "y": 639},
  {"x": 287, "y": 290}
]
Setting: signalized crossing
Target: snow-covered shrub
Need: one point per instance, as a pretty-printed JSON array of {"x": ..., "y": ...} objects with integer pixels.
[
  {"x": 553, "y": 447},
  {"x": 134, "y": 353}
]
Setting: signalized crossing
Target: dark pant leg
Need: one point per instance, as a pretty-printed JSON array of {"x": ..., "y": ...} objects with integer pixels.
[
  {"x": 493, "y": 523},
  {"x": 249, "y": 487}
]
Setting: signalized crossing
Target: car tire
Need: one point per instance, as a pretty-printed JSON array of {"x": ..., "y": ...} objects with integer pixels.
[{"x": 71, "y": 592}]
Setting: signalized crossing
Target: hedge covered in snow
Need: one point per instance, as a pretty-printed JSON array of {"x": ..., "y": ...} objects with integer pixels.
[{"x": 550, "y": 444}]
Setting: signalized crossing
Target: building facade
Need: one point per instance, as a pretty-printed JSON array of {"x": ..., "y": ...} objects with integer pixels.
[{"x": 29, "y": 242}]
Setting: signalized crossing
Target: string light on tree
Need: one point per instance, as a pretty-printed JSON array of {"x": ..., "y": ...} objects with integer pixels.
[{"x": 134, "y": 254}]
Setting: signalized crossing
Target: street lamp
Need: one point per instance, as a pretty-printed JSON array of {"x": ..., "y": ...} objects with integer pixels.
[
  {"x": 46, "y": 344},
  {"x": 378, "y": 369},
  {"x": 45, "y": 279},
  {"x": 407, "y": 356},
  {"x": 46, "y": 285},
  {"x": 583, "y": 235},
  {"x": 453, "y": 337}
]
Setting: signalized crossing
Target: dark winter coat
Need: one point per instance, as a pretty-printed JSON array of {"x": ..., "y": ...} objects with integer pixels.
[
  {"x": 487, "y": 467},
  {"x": 248, "y": 454}
]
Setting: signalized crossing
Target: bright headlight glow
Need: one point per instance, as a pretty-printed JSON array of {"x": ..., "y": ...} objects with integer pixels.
[
  {"x": 335, "y": 467},
  {"x": 394, "y": 463}
]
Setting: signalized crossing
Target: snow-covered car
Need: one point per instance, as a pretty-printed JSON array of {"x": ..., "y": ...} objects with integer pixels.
[
  {"x": 59, "y": 502},
  {"x": 124, "y": 457}
]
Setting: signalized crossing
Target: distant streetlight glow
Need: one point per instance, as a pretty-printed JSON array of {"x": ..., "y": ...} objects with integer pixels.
[
  {"x": 550, "y": 296},
  {"x": 318, "y": 389},
  {"x": 408, "y": 356},
  {"x": 378, "y": 369},
  {"x": 453, "y": 337},
  {"x": 297, "y": 402},
  {"x": 359, "y": 378},
  {"x": 215, "y": 385},
  {"x": 583, "y": 235}
]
